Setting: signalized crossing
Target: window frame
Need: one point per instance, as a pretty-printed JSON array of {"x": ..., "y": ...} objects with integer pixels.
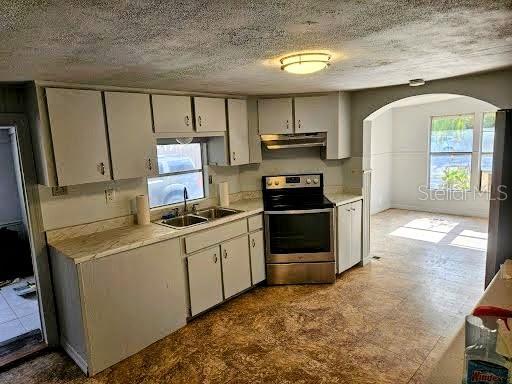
[
  {"x": 481, "y": 153},
  {"x": 430, "y": 153},
  {"x": 203, "y": 170}
]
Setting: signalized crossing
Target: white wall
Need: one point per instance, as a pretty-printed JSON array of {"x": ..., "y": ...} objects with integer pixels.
[
  {"x": 381, "y": 162},
  {"x": 10, "y": 210},
  {"x": 410, "y": 158},
  {"x": 291, "y": 161}
]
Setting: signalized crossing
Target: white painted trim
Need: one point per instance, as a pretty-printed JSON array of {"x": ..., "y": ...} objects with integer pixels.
[
  {"x": 467, "y": 212},
  {"x": 74, "y": 355}
]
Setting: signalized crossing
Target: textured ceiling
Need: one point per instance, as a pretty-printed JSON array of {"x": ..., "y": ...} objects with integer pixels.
[{"x": 233, "y": 46}]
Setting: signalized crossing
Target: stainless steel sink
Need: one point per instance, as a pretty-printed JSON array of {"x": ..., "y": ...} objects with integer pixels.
[
  {"x": 216, "y": 212},
  {"x": 184, "y": 221},
  {"x": 199, "y": 217}
]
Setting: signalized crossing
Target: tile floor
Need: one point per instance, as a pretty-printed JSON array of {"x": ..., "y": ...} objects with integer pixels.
[
  {"x": 383, "y": 323},
  {"x": 18, "y": 314}
]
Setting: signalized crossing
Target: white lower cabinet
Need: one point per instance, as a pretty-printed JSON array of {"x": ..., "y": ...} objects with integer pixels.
[
  {"x": 236, "y": 268},
  {"x": 204, "y": 279},
  {"x": 349, "y": 233},
  {"x": 232, "y": 263},
  {"x": 257, "y": 247},
  {"x": 113, "y": 307}
]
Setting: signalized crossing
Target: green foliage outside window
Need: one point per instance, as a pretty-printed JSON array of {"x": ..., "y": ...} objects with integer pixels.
[{"x": 456, "y": 179}]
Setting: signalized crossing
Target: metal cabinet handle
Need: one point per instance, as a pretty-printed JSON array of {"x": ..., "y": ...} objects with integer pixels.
[
  {"x": 225, "y": 254},
  {"x": 199, "y": 120},
  {"x": 253, "y": 243},
  {"x": 187, "y": 120},
  {"x": 101, "y": 168},
  {"x": 215, "y": 259},
  {"x": 150, "y": 164}
]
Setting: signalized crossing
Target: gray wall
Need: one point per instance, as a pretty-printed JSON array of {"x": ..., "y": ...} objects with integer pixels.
[{"x": 10, "y": 209}]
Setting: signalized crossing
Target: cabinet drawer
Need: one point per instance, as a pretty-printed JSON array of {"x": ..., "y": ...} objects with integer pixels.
[
  {"x": 214, "y": 236},
  {"x": 255, "y": 222}
]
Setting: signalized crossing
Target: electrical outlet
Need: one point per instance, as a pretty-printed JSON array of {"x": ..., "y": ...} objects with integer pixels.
[
  {"x": 210, "y": 179},
  {"x": 110, "y": 195}
]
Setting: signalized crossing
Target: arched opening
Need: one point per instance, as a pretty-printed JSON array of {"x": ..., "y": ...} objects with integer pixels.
[{"x": 429, "y": 159}]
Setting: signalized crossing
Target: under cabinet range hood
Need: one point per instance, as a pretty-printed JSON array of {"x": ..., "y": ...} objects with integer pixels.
[{"x": 294, "y": 141}]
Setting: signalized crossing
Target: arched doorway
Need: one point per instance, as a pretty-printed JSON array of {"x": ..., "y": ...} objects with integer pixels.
[{"x": 426, "y": 156}]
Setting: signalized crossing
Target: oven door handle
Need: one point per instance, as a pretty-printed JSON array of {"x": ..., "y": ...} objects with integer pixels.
[{"x": 298, "y": 211}]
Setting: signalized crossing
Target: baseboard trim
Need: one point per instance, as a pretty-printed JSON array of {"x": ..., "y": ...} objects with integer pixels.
[
  {"x": 77, "y": 358},
  {"x": 466, "y": 212}
]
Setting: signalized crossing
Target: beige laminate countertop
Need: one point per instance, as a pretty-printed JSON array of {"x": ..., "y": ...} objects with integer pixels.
[
  {"x": 450, "y": 367},
  {"x": 343, "y": 198},
  {"x": 101, "y": 244}
]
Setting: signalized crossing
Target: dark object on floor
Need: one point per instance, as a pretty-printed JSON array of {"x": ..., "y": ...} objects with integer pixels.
[
  {"x": 376, "y": 257},
  {"x": 20, "y": 347},
  {"x": 15, "y": 258},
  {"x": 25, "y": 289}
]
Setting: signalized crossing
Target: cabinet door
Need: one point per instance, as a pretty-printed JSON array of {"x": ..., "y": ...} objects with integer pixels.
[
  {"x": 204, "y": 279},
  {"x": 172, "y": 113},
  {"x": 356, "y": 235},
  {"x": 132, "y": 144},
  {"x": 275, "y": 116},
  {"x": 313, "y": 114},
  {"x": 344, "y": 237},
  {"x": 236, "y": 270},
  {"x": 238, "y": 131},
  {"x": 79, "y": 136},
  {"x": 131, "y": 300},
  {"x": 256, "y": 245},
  {"x": 210, "y": 114}
]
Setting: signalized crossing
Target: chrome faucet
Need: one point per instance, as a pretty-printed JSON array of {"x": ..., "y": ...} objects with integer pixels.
[{"x": 185, "y": 197}]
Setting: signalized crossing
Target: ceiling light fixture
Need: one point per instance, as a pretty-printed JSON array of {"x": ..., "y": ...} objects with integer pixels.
[
  {"x": 416, "y": 82},
  {"x": 304, "y": 63}
]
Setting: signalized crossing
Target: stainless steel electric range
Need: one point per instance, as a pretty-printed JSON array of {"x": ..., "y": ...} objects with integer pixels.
[{"x": 299, "y": 230}]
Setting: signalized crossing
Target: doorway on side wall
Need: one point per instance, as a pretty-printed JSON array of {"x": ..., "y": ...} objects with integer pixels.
[
  {"x": 20, "y": 320},
  {"x": 430, "y": 158}
]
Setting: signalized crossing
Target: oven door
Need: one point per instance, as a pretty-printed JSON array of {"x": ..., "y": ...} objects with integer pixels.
[{"x": 299, "y": 236}]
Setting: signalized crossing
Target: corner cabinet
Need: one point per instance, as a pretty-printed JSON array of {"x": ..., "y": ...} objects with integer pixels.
[
  {"x": 113, "y": 307},
  {"x": 78, "y": 135},
  {"x": 132, "y": 144},
  {"x": 233, "y": 147},
  {"x": 210, "y": 114},
  {"x": 349, "y": 233}
]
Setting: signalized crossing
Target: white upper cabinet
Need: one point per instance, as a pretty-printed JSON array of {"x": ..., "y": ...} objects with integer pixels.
[
  {"x": 172, "y": 113},
  {"x": 210, "y": 114},
  {"x": 132, "y": 145},
  {"x": 313, "y": 114},
  {"x": 275, "y": 116},
  {"x": 79, "y": 136},
  {"x": 238, "y": 132}
]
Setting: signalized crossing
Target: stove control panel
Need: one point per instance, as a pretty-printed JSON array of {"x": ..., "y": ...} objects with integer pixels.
[{"x": 292, "y": 181}]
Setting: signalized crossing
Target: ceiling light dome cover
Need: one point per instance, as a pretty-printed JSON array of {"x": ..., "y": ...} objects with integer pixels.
[{"x": 304, "y": 63}]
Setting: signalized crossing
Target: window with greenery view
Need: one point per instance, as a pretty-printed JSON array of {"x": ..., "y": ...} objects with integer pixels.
[
  {"x": 180, "y": 166},
  {"x": 487, "y": 148},
  {"x": 451, "y": 148}
]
